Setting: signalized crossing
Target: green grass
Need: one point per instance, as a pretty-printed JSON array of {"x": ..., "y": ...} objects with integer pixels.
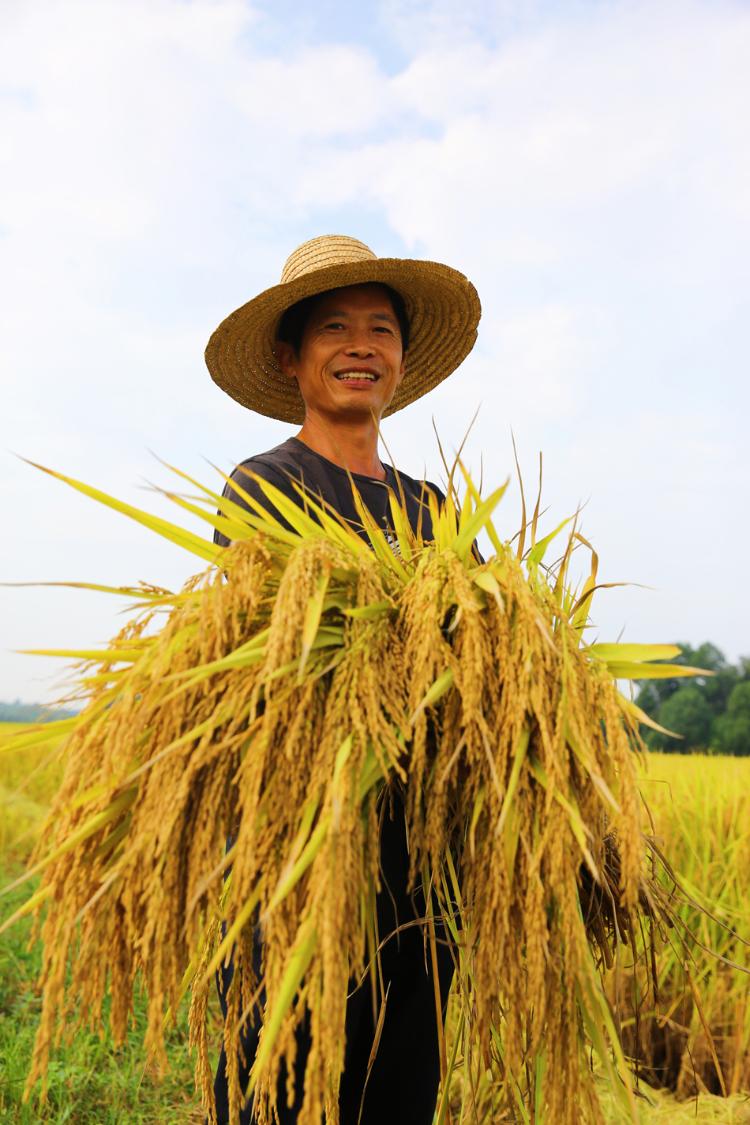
[{"x": 90, "y": 1081}]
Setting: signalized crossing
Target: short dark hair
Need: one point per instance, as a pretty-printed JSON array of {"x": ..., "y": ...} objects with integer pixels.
[{"x": 294, "y": 321}]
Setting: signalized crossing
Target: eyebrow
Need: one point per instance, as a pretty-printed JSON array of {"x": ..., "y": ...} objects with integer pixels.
[{"x": 375, "y": 316}]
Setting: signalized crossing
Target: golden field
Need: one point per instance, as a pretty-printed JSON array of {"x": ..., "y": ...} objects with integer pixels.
[{"x": 692, "y": 1041}]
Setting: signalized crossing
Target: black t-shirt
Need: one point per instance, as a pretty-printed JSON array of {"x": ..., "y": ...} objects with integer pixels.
[{"x": 295, "y": 461}]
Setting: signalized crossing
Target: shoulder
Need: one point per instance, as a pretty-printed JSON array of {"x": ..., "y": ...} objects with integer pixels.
[
  {"x": 413, "y": 486},
  {"x": 432, "y": 487},
  {"x": 274, "y": 465}
]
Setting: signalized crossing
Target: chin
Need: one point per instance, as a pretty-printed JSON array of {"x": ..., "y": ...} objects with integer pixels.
[{"x": 359, "y": 410}]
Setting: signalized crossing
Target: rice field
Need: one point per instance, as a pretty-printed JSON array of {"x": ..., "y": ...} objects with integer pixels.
[
  {"x": 696, "y": 1036},
  {"x": 692, "y": 1041}
]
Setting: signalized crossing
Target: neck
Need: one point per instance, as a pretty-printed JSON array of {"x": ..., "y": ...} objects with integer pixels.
[{"x": 352, "y": 444}]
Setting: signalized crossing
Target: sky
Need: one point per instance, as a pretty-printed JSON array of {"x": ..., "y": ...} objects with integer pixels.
[{"x": 585, "y": 162}]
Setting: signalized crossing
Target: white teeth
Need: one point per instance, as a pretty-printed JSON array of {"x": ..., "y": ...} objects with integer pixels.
[{"x": 345, "y": 376}]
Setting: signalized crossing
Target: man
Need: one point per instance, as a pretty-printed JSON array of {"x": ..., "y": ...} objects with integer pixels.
[{"x": 344, "y": 340}]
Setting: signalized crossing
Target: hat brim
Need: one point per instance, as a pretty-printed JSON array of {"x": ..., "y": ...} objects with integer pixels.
[{"x": 443, "y": 310}]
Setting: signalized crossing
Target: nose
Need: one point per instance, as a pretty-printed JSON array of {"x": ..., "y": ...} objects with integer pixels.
[
  {"x": 359, "y": 343},
  {"x": 361, "y": 349}
]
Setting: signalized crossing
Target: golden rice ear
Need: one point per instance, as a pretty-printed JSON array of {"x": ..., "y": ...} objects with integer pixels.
[{"x": 287, "y": 698}]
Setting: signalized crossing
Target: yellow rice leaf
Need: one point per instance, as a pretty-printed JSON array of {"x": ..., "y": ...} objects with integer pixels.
[
  {"x": 511, "y": 835},
  {"x": 519, "y": 756},
  {"x": 707, "y": 1032},
  {"x": 179, "y": 535},
  {"x": 538, "y": 551},
  {"x": 37, "y": 734},
  {"x": 87, "y": 796},
  {"x": 439, "y": 688},
  {"x": 539, "y": 1084},
  {"x": 580, "y": 613},
  {"x": 235, "y": 530},
  {"x": 297, "y": 870},
  {"x": 27, "y": 907},
  {"x": 342, "y": 757},
  {"x": 487, "y": 581},
  {"x": 577, "y": 825},
  {"x": 92, "y": 825},
  {"x": 524, "y": 524},
  {"x": 301, "y": 523},
  {"x": 380, "y": 545},
  {"x": 306, "y": 821},
  {"x": 580, "y": 609},
  {"x": 313, "y": 613},
  {"x": 371, "y": 772},
  {"x": 635, "y": 670},
  {"x": 236, "y": 513},
  {"x": 217, "y": 719},
  {"x": 103, "y": 656},
  {"x": 445, "y": 1083},
  {"x": 476, "y": 812},
  {"x": 630, "y": 652},
  {"x": 438, "y": 519},
  {"x": 489, "y": 527},
  {"x": 262, "y": 520},
  {"x": 326, "y": 521},
  {"x": 244, "y": 655},
  {"x": 641, "y": 716},
  {"x": 229, "y": 939},
  {"x": 404, "y": 534},
  {"x": 480, "y": 518},
  {"x": 368, "y": 612},
  {"x": 597, "y": 1019},
  {"x": 299, "y": 960},
  {"x": 584, "y": 758},
  {"x": 141, "y": 593},
  {"x": 448, "y": 520}
]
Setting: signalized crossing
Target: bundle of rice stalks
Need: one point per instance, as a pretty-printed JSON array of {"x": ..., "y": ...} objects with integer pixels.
[{"x": 291, "y": 686}]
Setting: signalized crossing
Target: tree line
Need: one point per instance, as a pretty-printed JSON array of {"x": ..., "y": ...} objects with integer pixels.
[
  {"x": 18, "y": 712},
  {"x": 711, "y": 713}
]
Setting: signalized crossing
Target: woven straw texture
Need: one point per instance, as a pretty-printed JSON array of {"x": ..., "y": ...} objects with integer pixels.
[{"x": 442, "y": 305}]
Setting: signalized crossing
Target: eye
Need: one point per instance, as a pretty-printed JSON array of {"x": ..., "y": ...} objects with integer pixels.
[
  {"x": 333, "y": 324},
  {"x": 384, "y": 328}
]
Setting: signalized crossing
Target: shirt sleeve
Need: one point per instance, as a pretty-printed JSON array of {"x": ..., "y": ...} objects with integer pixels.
[{"x": 244, "y": 480}]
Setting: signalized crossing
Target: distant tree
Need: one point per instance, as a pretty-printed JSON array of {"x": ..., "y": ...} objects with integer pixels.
[
  {"x": 30, "y": 713},
  {"x": 731, "y": 731},
  {"x": 685, "y": 712}
]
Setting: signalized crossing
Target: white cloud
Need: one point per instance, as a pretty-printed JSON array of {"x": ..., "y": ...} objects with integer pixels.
[
  {"x": 586, "y": 164},
  {"x": 316, "y": 93}
]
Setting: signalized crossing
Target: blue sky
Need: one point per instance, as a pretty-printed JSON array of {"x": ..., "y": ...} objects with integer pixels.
[{"x": 586, "y": 164}]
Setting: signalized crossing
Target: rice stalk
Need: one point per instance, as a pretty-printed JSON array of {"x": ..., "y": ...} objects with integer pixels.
[{"x": 290, "y": 688}]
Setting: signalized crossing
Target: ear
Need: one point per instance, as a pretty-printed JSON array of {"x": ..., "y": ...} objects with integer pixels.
[
  {"x": 401, "y": 369},
  {"x": 286, "y": 358}
]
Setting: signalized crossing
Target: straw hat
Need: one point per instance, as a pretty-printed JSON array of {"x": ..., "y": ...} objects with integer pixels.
[{"x": 441, "y": 304}]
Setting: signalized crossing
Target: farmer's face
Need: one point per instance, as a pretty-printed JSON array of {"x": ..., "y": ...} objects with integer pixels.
[{"x": 351, "y": 358}]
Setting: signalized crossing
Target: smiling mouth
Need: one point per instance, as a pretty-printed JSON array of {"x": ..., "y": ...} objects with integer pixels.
[{"x": 356, "y": 376}]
